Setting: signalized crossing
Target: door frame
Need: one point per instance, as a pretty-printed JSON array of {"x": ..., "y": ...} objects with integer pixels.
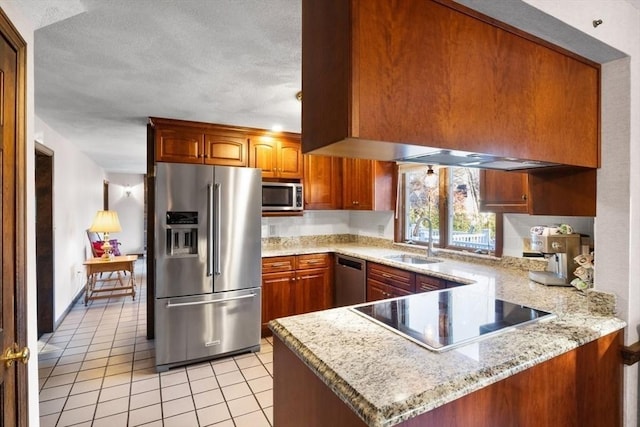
[{"x": 12, "y": 36}]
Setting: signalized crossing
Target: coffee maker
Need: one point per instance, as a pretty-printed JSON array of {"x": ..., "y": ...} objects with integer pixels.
[{"x": 559, "y": 250}]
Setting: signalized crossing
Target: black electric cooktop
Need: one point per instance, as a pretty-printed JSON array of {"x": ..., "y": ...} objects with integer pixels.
[{"x": 449, "y": 318}]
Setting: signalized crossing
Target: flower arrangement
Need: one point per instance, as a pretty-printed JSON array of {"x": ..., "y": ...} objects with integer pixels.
[{"x": 584, "y": 272}]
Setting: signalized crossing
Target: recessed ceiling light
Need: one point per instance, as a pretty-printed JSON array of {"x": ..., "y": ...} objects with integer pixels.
[{"x": 276, "y": 128}]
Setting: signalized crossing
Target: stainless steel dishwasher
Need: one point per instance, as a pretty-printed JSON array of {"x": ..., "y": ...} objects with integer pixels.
[{"x": 350, "y": 281}]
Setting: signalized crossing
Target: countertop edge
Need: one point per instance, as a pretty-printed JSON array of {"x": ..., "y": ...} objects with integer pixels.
[{"x": 375, "y": 417}]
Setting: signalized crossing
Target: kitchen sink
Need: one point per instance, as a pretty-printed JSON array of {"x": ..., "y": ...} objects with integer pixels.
[{"x": 409, "y": 259}]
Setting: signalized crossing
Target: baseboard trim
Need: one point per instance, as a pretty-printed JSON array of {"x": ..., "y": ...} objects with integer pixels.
[{"x": 69, "y": 307}]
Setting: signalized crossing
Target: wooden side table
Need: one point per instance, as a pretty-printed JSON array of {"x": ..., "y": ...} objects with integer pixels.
[{"x": 117, "y": 264}]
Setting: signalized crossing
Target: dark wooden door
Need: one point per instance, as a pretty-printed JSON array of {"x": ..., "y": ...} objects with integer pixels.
[
  {"x": 44, "y": 238},
  {"x": 13, "y": 327}
]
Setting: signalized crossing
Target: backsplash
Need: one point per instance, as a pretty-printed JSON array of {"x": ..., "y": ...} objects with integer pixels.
[
  {"x": 314, "y": 223},
  {"x": 292, "y": 230}
]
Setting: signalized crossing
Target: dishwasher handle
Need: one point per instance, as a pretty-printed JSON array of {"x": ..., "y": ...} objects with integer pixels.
[{"x": 349, "y": 263}]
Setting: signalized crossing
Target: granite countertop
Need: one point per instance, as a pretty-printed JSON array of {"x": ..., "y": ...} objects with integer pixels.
[{"x": 387, "y": 379}]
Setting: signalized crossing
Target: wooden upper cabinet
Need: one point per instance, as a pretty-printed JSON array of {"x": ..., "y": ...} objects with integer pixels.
[
  {"x": 180, "y": 141},
  {"x": 322, "y": 182},
  {"x": 367, "y": 185},
  {"x": 290, "y": 162},
  {"x": 263, "y": 156},
  {"x": 564, "y": 192},
  {"x": 437, "y": 74},
  {"x": 179, "y": 145},
  {"x": 505, "y": 192},
  {"x": 277, "y": 157},
  {"x": 225, "y": 149}
]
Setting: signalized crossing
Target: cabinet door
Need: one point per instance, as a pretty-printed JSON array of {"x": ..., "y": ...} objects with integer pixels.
[
  {"x": 502, "y": 191},
  {"x": 289, "y": 164},
  {"x": 313, "y": 290},
  {"x": 322, "y": 182},
  {"x": 278, "y": 296},
  {"x": 179, "y": 146},
  {"x": 264, "y": 156},
  {"x": 358, "y": 184},
  {"x": 226, "y": 150}
]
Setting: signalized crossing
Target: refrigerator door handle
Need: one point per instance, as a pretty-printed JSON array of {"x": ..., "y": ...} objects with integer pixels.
[
  {"x": 184, "y": 304},
  {"x": 216, "y": 237},
  {"x": 209, "y": 230}
]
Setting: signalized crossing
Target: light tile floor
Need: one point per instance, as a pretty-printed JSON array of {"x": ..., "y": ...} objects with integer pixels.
[{"x": 97, "y": 369}]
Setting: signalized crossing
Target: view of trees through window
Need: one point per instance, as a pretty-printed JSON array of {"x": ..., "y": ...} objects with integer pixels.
[{"x": 467, "y": 227}]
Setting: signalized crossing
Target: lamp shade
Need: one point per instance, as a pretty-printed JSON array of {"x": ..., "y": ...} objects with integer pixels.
[{"x": 106, "y": 222}]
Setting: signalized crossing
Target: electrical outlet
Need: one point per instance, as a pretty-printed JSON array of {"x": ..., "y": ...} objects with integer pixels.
[{"x": 381, "y": 230}]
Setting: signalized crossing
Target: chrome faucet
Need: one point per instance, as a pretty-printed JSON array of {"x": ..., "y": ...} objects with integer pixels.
[{"x": 430, "y": 251}]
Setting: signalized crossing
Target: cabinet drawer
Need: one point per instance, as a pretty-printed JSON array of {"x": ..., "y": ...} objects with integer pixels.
[
  {"x": 429, "y": 283},
  {"x": 278, "y": 264},
  {"x": 312, "y": 261},
  {"x": 391, "y": 276},
  {"x": 378, "y": 291}
]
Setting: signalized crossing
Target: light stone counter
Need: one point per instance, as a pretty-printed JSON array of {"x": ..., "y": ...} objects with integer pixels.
[{"x": 387, "y": 379}]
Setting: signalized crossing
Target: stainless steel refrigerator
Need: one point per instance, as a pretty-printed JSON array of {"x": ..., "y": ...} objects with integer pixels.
[{"x": 208, "y": 262}]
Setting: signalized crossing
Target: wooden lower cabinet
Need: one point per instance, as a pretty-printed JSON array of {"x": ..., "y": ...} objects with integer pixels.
[
  {"x": 580, "y": 388},
  {"x": 389, "y": 282},
  {"x": 377, "y": 291},
  {"x": 426, "y": 283},
  {"x": 295, "y": 285}
]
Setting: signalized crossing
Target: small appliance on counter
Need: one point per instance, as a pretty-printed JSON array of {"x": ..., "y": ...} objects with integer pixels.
[{"x": 559, "y": 250}]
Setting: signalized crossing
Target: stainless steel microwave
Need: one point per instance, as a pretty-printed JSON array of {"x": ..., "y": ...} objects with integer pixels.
[{"x": 282, "y": 196}]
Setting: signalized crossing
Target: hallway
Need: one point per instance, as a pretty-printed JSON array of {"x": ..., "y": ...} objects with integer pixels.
[{"x": 97, "y": 369}]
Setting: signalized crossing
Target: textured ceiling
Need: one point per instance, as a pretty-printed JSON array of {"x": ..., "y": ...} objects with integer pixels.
[
  {"x": 102, "y": 67},
  {"x": 108, "y": 65}
]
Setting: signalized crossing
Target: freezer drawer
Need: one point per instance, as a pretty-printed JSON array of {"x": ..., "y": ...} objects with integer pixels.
[{"x": 190, "y": 329}]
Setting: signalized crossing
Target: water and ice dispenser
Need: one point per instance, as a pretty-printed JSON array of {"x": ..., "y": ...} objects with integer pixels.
[{"x": 182, "y": 233}]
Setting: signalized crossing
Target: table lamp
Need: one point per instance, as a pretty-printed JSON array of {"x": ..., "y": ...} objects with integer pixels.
[{"x": 106, "y": 222}]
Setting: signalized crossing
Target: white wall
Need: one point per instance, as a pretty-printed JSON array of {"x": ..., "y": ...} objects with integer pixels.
[
  {"x": 130, "y": 209},
  {"x": 371, "y": 224},
  {"x": 77, "y": 195}
]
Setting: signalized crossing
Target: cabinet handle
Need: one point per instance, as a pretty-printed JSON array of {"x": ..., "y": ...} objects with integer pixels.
[
  {"x": 277, "y": 264},
  {"x": 524, "y": 197},
  {"x": 279, "y": 280},
  {"x": 388, "y": 276}
]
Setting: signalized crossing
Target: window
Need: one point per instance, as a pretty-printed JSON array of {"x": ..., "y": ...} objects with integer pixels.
[{"x": 448, "y": 199}]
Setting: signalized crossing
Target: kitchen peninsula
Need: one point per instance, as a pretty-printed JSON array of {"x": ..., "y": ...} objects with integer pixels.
[{"x": 335, "y": 367}]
